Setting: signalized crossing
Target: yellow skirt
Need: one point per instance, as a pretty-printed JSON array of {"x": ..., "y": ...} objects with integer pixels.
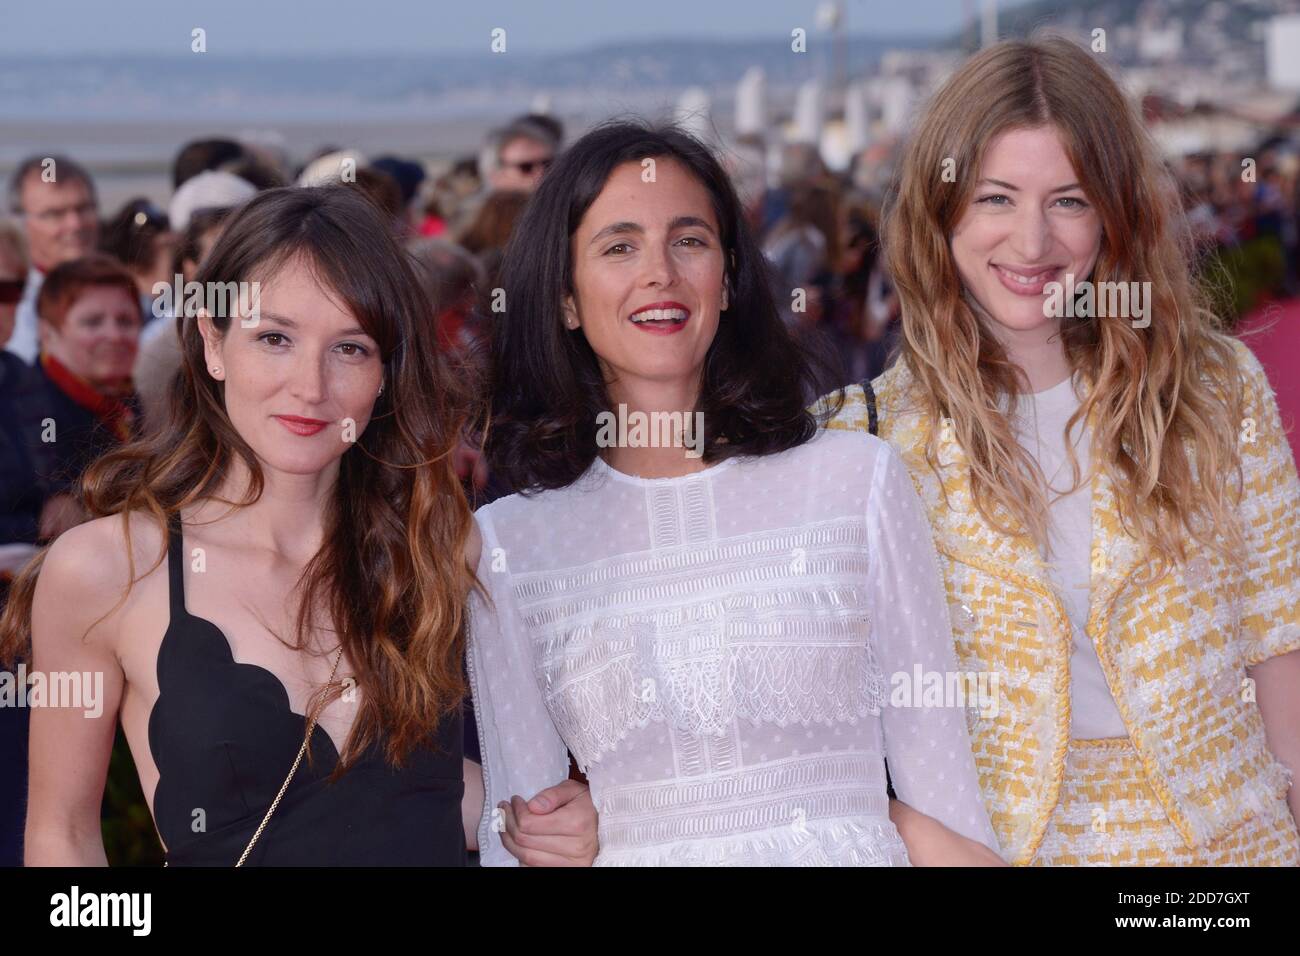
[{"x": 1109, "y": 816}]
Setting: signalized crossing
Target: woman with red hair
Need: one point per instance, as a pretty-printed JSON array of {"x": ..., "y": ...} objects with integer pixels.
[{"x": 80, "y": 402}]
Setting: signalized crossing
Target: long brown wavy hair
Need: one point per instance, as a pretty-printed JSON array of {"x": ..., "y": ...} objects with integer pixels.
[
  {"x": 1166, "y": 399},
  {"x": 391, "y": 571}
]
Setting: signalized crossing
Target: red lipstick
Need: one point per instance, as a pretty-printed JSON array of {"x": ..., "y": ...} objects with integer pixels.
[{"x": 301, "y": 426}]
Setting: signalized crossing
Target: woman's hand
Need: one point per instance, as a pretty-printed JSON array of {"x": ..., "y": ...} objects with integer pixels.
[
  {"x": 557, "y": 827},
  {"x": 930, "y": 843}
]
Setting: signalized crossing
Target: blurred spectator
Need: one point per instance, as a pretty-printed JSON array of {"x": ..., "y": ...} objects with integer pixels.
[
  {"x": 409, "y": 177},
  {"x": 746, "y": 162},
  {"x": 89, "y": 332},
  {"x": 140, "y": 238},
  {"x": 20, "y": 509},
  {"x": 209, "y": 190},
  {"x": 382, "y": 190},
  {"x": 160, "y": 347},
  {"x": 518, "y": 155},
  {"x": 64, "y": 413},
  {"x": 798, "y": 163},
  {"x": 1244, "y": 223},
  {"x": 332, "y": 166},
  {"x": 488, "y": 233},
  {"x": 55, "y": 198},
  {"x": 549, "y": 123},
  {"x": 20, "y": 498},
  {"x": 803, "y": 248},
  {"x": 256, "y": 172},
  {"x": 450, "y": 198},
  {"x": 201, "y": 156},
  {"x": 863, "y": 324},
  {"x": 452, "y": 278}
]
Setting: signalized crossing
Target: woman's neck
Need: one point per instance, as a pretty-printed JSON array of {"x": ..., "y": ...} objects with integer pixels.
[
  {"x": 1038, "y": 353},
  {"x": 652, "y": 430},
  {"x": 287, "y": 519}
]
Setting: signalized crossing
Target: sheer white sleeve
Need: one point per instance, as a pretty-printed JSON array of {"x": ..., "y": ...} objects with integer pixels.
[
  {"x": 927, "y": 745},
  {"x": 521, "y": 750}
]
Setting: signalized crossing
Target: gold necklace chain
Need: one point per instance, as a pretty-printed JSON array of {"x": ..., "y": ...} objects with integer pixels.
[{"x": 311, "y": 727}]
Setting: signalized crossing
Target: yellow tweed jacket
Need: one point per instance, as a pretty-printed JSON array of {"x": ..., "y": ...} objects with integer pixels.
[{"x": 1174, "y": 653}]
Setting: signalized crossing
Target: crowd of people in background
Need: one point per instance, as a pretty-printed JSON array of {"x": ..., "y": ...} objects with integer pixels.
[
  {"x": 73, "y": 342},
  {"x": 89, "y": 352}
]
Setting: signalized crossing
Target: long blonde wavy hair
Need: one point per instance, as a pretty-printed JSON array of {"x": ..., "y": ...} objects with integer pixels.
[{"x": 1165, "y": 400}]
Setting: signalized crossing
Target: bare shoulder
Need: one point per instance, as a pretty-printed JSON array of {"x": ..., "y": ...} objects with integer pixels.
[{"x": 89, "y": 573}]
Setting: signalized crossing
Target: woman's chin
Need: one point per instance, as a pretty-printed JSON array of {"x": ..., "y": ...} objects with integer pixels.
[
  {"x": 1023, "y": 316},
  {"x": 296, "y": 465}
]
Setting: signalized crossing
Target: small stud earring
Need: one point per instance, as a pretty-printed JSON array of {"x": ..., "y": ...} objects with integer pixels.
[
  {"x": 216, "y": 370},
  {"x": 381, "y": 388}
]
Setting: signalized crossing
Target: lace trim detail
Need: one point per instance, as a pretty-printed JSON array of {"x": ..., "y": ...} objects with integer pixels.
[
  {"x": 827, "y": 843},
  {"x": 835, "y": 549},
  {"x": 776, "y": 810},
  {"x": 702, "y": 667},
  {"x": 681, "y": 515}
]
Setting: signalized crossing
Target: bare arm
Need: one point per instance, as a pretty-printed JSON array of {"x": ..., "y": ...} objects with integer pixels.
[
  {"x": 1277, "y": 691},
  {"x": 930, "y": 843},
  {"x": 70, "y": 750}
]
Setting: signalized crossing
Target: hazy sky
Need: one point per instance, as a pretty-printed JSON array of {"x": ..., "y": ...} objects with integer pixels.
[{"x": 413, "y": 26}]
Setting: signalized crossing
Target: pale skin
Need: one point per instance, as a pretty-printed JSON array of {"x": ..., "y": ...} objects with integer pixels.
[
  {"x": 1029, "y": 212},
  {"x": 307, "y": 357},
  {"x": 641, "y": 243}
]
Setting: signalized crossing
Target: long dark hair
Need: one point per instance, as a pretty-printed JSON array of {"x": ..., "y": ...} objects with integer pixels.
[
  {"x": 546, "y": 383},
  {"x": 390, "y": 572}
]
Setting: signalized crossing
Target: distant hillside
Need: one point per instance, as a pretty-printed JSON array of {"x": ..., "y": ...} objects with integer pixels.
[{"x": 124, "y": 84}]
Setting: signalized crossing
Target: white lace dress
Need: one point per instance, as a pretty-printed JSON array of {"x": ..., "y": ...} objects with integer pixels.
[{"x": 718, "y": 651}]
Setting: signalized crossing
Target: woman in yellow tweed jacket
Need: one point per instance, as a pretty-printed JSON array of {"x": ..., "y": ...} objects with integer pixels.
[{"x": 1029, "y": 167}]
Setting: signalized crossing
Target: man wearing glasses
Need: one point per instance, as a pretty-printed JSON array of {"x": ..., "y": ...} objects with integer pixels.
[
  {"x": 523, "y": 151},
  {"x": 54, "y": 198}
]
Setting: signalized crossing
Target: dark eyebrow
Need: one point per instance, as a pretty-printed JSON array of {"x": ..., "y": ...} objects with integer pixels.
[
  {"x": 680, "y": 222},
  {"x": 616, "y": 227},
  {"x": 1016, "y": 189},
  {"x": 287, "y": 323},
  {"x": 683, "y": 221}
]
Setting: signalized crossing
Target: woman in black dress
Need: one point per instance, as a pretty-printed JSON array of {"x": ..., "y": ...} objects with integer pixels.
[{"x": 270, "y": 595}]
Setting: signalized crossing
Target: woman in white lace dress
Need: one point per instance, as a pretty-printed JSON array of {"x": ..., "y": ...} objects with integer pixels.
[{"x": 728, "y": 624}]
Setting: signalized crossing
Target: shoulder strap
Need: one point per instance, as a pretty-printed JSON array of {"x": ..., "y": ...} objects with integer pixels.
[
  {"x": 873, "y": 421},
  {"x": 176, "y": 565}
]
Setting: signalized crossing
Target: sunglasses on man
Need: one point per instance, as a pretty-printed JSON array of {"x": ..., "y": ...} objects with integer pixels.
[{"x": 528, "y": 166}]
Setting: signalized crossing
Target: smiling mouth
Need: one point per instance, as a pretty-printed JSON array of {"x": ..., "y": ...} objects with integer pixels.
[
  {"x": 662, "y": 317},
  {"x": 1023, "y": 282}
]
